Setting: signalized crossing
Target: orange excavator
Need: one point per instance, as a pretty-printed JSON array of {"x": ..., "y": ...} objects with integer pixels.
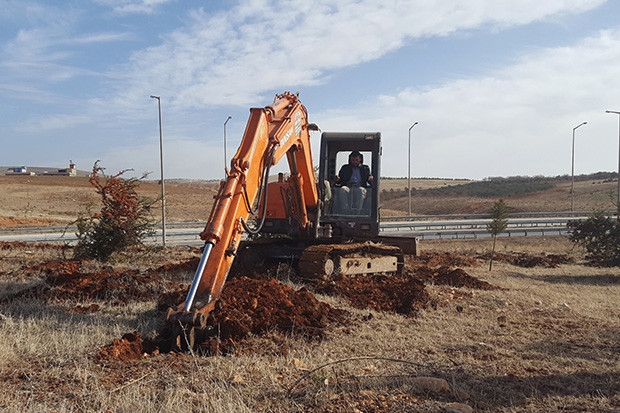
[{"x": 337, "y": 234}]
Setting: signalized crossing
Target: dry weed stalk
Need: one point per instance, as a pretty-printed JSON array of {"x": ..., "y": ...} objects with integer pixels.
[{"x": 332, "y": 363}]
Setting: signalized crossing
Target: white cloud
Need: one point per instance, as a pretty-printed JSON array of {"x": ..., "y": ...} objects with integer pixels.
[
  {"x": 50, "y": 123},
  {"x": 96, "y": 38},
  {"x": 44, "y": 53},
  {"x": 514, "y": 121},
  {"x": 235, "y": 56},
  {"x": 239, "y": 56},
  {"x": 133, "y": 6}
]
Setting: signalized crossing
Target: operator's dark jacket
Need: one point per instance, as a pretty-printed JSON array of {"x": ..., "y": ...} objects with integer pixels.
[{"x": 347, "y": 170}]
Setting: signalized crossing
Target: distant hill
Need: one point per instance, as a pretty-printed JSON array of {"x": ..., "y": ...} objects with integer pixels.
[{"x": 498, "y": 186}]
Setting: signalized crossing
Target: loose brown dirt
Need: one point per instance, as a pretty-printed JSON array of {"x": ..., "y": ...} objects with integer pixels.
[
  {"x": 529, "y": 261},
  {"x": 550, "y": 354},
  {"x": 262, "y": 317},
  {"x": 253, "y": 303}
]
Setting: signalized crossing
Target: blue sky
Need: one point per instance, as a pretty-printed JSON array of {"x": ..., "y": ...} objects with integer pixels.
[{"x": 497, "y": 86}]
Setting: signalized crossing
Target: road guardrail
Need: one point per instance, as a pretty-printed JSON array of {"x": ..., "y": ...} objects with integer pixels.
[{"x": 424, "y": 227}]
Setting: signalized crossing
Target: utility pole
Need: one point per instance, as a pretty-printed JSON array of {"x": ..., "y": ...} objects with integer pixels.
[
  {"x": 409, "y": 168},
  {"x": 618, "y": 200},
  {"x": 161, "y": 161},
  {"x": 572, "y": 172},
  {"x": 225, "y": 158}
]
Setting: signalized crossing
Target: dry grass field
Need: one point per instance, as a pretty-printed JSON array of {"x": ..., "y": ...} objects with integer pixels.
[
  {"x": 543, "y": 337},
  {"x": 58, "y": 200}
]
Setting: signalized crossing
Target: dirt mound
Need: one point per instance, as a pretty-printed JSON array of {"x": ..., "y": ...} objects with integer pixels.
[
  {"x": 65, "y": 281},
  {"x": 129, "y": 347},
  {"x": 258, "y": 306},
  {"x": 445, "y": 259},
  {"x": 448, "y": 275},
  {"x": 406, "y": 295},
  {"x": 249, "y": 307},
  {"x": 530, "y": 261},
  {"x": 13, "y": 245},
  {"x": 459, "y": 278},
  {"x": 379, "y": 292}
]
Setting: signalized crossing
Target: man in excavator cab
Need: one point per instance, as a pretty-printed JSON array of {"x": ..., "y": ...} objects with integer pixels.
[{"x": 353, "y": 183}]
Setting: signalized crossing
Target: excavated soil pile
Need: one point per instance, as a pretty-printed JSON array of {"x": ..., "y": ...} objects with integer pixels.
[
  {"x": 16, "y": 245},
  {"x": 530, "y": 261},
  {"x": 65, "y": 281},
  {"x": 406, "y": 295},
  {"x": 379, "y": 292},
  {"x": 453, "y": 277},
  {"x": 249, "y": 307},
  {"x": 259, "y": 306},
  {"x": 252, "y": 305},
  {"x": 459, "y": 278},
  {"x": 129, "y": 347},
  {"x": 444, "y": 259}
]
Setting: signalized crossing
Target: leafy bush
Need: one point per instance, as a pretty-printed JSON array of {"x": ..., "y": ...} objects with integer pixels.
[
  {"x": 124, "y": 219},
  {"x": 600, "y": 235},
  {"x": 499, "y": 218},
  {"x": 499, "y": 222}
]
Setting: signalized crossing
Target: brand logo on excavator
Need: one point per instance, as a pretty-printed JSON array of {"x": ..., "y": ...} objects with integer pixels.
[{"x": 296, "y": 129}]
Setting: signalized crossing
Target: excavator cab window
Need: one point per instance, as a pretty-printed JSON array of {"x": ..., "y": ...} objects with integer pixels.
[{"x": 349, "y": 188}]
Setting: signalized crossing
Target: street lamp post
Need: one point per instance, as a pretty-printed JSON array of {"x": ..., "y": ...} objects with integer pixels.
[
  {"x": 409, "y": 168},
  {"x": 572, "y": 171},
  {"x": 618, "y": 200},
  {"x": 225, "y": 158},
  {"x": 161, "y": 161}
]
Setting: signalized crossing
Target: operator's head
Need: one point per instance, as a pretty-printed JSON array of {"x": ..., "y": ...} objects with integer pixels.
[{"x": 356, "y": 158}]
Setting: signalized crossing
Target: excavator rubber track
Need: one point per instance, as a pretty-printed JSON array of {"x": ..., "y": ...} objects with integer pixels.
[{"x": 350, "y": 259}]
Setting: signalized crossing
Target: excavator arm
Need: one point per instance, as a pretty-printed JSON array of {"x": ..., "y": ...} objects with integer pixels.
[{"x": 278, "y": 130}]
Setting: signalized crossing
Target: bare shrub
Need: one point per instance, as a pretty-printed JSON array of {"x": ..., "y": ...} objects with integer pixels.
[{"x": 124, "y": 219}]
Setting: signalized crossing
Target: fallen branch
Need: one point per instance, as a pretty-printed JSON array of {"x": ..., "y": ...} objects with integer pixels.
[
  {"x": 131, "y": 382},
  {"x": 309, "y": 372}
]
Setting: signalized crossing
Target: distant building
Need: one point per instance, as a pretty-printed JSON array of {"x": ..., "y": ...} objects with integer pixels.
[
  {"x": 22, "y": 170},
  {"x": 19, "y": 170},
  {"x": 70, "y": 171}
]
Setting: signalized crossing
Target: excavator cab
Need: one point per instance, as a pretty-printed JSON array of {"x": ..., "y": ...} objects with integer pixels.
[{"x": 350, "y": 210}]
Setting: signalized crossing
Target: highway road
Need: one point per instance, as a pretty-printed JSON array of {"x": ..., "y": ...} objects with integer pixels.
[
  {"x": 427, "y": 228},
  {"x": 174, "y": 235}
]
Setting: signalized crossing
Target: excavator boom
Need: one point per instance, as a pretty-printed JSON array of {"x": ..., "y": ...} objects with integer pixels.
[
  {"x": 298, "y": 207},
  {"x": 273, "y": 132}
]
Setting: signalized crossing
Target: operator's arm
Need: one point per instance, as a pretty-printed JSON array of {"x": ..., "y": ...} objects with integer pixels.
[
  {"x": 343, "y": 176},
  {"x": 369, "y": 178}
]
